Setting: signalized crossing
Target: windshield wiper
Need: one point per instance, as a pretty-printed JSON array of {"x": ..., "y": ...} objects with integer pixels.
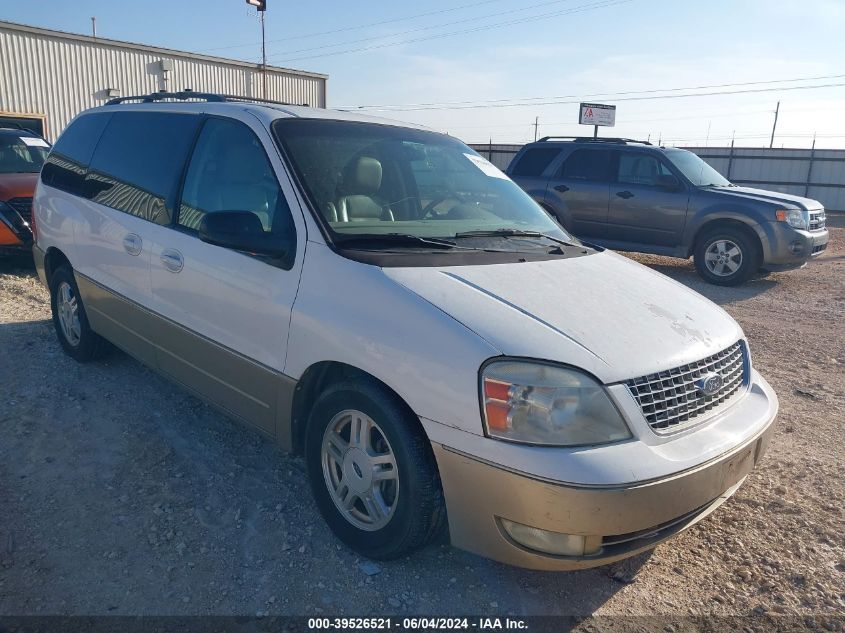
[
  {"x": 512, "y": 233},
  {"x": 398, "y": 239}
]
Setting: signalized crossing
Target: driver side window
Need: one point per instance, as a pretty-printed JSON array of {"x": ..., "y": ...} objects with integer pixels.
[
  {"x": 229, "y": 171},
  {"x": 640, "y": 169}
]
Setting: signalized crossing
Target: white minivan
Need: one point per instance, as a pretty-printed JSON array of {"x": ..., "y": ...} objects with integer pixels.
[{"x": 382, "y": 300}]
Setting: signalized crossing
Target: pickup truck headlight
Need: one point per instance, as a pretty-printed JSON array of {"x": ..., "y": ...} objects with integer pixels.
[
  {"x": 540, "y": 403},
  {"x": 793, "y": 217}
]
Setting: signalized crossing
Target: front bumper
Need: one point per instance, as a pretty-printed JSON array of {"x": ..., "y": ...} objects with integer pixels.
[
  {"x": 628, "y": 518},
  {"x": 791, "y": 248}
]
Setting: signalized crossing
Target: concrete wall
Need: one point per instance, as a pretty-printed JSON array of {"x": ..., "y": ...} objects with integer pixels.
[{"x": 55, "y": 75}]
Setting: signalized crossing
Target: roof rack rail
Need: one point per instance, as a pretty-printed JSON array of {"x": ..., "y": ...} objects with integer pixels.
[
  {"x": 189, "y": 94},
  {"x": 595, "y": 139},
  {"x": 257, "y": 100},
  {"x": 161, "y": 96}
]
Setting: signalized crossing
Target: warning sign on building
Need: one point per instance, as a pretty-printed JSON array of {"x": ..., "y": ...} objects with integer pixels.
[{"x": 597, "y": 114}]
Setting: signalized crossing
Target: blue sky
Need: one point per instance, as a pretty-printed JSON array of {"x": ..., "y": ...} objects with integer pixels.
[{"x": 577, "y": 49}]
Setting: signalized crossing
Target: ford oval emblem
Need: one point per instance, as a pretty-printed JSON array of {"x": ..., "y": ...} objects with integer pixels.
[{"x": 710, "y": 384}]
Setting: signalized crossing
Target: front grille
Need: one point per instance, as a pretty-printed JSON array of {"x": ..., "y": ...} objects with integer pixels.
[
  {"x": 672, "y": 398},
  {"x": 23, "y": 206},
  {"x": 817, "y": 220},
  {"x": 818, "y": 248}
]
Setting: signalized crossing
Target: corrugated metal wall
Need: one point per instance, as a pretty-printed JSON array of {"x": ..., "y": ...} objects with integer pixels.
[
  {"x": 817, "y": 174},
  {"x": 59, "y": 75}
]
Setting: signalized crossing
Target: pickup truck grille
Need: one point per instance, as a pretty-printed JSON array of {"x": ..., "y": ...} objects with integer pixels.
[
  {"x": 817, "y": 220},
  {"x": 23, "y": 206},
  {"x": 674, "y": 398}
]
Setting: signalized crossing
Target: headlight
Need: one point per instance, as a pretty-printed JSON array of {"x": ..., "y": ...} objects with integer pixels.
[
  {"x": 538, "y": 403},
  {"x": 793, "y": 217}
]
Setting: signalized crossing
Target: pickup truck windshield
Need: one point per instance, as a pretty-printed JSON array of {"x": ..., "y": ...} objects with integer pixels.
[
  {"x": 18, "y": 156},
  {"x": 372, "y": 179},
  {"x": 696, "y": 170}
]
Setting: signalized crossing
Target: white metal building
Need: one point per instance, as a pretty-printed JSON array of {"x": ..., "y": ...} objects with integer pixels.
[{"x": 47, "y": 77}]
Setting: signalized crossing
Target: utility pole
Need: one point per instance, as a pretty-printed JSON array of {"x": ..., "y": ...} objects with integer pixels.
[
  {"x": 536, "y": 127},
  {"x": 93, "y": 26},
  {"x": 261, "y": 6},
  {"x": 774, "y": 126}
]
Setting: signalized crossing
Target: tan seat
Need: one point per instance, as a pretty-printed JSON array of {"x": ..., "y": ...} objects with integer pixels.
[{"x": 360, "y": 202}]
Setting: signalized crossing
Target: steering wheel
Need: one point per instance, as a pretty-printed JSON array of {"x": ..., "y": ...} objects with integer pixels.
[{"x": 429, "y": 208}]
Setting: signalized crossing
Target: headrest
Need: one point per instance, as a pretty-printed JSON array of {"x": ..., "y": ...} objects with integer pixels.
[{"x": 365, "y": 176}]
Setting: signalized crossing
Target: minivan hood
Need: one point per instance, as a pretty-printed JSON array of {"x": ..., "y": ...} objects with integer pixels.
[
  {"x": 774, "y": 197},
  {"x": 603, "y": 312},
  {"x": 17, "y": 185}
]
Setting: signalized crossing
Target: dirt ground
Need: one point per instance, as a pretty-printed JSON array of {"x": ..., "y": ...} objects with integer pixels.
[{"x": 121, "y": 494}]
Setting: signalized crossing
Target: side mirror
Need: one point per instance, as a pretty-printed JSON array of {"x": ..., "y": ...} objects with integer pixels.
[
  {"x": 242, "y": 231},
  {"x": 669, "y": 182}
]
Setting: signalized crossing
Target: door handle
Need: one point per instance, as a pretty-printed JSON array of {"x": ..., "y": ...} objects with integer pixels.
[
  {"x": 132, "y": 244},
  {"x": 625, "y": 194},
  {"x": 561, "y": 188},
  {"x": 172, "y": 260}
]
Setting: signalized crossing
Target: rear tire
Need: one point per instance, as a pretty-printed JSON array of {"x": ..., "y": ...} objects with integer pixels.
[
  {"x": 75, "y": 335},
  {"x": 378, "y": 490},
  {"x": 726, "y": 256}
]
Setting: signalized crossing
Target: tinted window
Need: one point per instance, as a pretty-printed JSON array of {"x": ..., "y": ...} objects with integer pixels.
[
  {"x": 640, "y": 169},
  {"x": 587, "y": 164},
  {"x": 69, "y": 158},
  {"x": 534, "y": 161},
  {"x": 138, "y": 162},
  {"x": 229, "y": 171}
]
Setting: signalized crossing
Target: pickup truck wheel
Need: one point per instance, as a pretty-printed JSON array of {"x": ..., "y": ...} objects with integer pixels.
[
  {"x": 76, "y": 337},
  {"x": 726, "y": 257},
  {"x": 372, "y": 471}
]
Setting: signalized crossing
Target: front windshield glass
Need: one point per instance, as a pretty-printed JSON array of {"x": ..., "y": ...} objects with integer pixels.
[
  {"x": 372, "y": 180},
  {"x": 696, "y": 170},
  {"x": 22, "y": 154}
]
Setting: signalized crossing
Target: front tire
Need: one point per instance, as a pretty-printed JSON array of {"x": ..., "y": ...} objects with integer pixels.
[
  {"x": 76, "y": 337},
  {"x": 726, "y": 257},
  {"x": 372, "y": 471}
]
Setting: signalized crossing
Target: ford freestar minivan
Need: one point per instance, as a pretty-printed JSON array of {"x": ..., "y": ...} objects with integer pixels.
[{"x": 383, "y": 300}]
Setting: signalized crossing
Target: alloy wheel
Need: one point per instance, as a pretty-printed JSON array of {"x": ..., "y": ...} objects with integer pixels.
[
  {"x": 723, "y": 258},
  {"x": 68, "y": 311},
  {"x": 360, "y": 471}
]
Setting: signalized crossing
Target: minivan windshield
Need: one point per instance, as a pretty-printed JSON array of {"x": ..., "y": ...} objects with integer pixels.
[
  {"x": 401, "y": 184},
  {"x": 22, "y": 154},
  {"x": 696, "y": 170}
]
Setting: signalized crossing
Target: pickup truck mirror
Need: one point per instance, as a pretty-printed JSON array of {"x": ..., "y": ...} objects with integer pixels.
[
  {"x": 669, "y": 182},
  {"x": 243, "y": 231}
]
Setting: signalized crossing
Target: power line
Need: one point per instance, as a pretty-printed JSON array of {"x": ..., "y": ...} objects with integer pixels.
[
  {"x": 580, "y": 9},
  {"x": 644, "y": 98},
  {"x": 421, "y": 28},
  {"x": 358, "y": 26},
  {"x": 514, "y": 102}
]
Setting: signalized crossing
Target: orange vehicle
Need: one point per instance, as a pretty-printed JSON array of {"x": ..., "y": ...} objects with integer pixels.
[{"x": 22, "y": 153}]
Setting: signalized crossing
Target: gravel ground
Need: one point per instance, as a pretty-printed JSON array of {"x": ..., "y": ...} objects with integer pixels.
[{"x": 121, "y": 494}]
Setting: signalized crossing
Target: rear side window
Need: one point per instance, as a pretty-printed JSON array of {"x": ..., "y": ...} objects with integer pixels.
[
  {"x": 534, "y": 161},
  {"x": 138, "y": 163},
  {"x": 69, "y": 158},
  {"x": 587, "y": 164}
]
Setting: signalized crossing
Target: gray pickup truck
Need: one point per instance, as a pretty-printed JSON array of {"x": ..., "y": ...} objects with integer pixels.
[{"x": 633, "y": 196}]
